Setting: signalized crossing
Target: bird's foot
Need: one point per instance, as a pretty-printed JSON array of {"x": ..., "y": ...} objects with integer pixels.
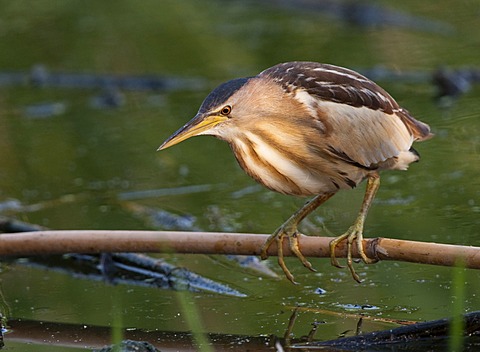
[
  {"x": 290, "y": 231},
  {"x": 353, "y": 234}
]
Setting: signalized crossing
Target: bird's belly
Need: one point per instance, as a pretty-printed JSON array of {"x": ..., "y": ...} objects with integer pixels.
[
  {"x": 294, "y": 181},
  {"x": 277, "y": 171}
]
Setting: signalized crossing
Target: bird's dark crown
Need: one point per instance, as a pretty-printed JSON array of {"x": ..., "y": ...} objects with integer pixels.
[{"x": 222, "y": 93}]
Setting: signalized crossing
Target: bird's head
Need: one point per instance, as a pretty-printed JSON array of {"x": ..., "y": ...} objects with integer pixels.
[{"x": 214, "y": 115}]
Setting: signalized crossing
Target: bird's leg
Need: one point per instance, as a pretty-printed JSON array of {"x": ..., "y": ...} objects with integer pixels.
[
  {"x": 289, "y": 229},
  {"x": 355, "y": 232}
]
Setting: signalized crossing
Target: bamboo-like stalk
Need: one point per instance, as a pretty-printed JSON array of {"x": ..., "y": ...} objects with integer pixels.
[{"x": 95, "y": 241}]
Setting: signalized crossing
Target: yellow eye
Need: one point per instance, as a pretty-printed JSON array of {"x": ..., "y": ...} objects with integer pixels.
[{"x": 226, "y": 110}]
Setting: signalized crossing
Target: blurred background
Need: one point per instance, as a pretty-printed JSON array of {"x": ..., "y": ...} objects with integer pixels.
[{"x": 90, "y": 89}]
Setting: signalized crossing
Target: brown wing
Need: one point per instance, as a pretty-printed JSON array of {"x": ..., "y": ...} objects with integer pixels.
[{"x": 344, "y": 86}]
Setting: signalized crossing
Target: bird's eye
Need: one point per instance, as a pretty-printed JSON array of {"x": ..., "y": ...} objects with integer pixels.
[{"x": 226, "y": 110}]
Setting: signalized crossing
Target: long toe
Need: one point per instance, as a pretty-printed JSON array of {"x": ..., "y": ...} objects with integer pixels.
[
  {"x": 361, "y": 251},
  {"x": 333, "y": 245},
  {"x": 350, "y": 239},
  {"x": 277, "y": 237},
  {"x": 295, "y": 248},
  {"x": 290, "y": 231},
  {"x": 352, "y": 236},
  {"x": 281, "y": 260},
  {"x": 263, "y": 250}
]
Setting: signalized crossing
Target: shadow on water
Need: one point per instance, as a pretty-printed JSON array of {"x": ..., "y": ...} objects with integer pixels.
[{"x": 416, "y": 337}]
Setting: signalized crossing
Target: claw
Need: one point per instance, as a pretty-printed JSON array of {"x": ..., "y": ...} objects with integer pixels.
[
  {"x": 266, "y": 245},
  {"x": 354, "y": 234},
  {"x": 295, "y": 248},
  {"x": 281, "y": 261},
  {"x": 289, "y": 229},
  {"x": 278, "y": 236},
  {"x": 333, "y": 244},
  {"x": 352, "y": 237}
]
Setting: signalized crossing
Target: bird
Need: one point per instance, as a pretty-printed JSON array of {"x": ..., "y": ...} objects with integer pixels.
[{"x": 310, "y": 129}]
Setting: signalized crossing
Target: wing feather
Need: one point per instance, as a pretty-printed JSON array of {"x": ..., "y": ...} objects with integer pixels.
[
  {"x": 369, "y": 127},
  {"x": 340, "y": 85}
]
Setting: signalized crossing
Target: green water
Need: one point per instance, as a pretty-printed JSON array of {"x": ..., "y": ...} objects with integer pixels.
[{"x": 96, "y": 154}]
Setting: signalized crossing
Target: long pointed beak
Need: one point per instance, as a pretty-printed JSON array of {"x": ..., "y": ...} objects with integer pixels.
[{"x": 200, "y": 124}]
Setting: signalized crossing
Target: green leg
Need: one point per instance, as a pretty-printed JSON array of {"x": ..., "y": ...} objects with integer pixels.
[
  {"x": 289, "y": 229},
  {"x": 355, "y": 232}
]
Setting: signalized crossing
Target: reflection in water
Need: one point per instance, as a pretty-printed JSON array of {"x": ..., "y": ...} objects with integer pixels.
[{"x": 412, "y": 336}]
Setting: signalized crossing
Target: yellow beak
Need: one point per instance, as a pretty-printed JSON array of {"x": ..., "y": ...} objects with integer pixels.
[{"x": 200, "y": 124}]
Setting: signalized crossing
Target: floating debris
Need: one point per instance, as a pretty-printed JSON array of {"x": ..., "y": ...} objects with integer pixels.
[
  {"x": 451, "y": 84},
  {"x": 425, "y": 336},
  {"x": 10, "y": 205},
  {"x": 40, "y": 76},
  {"x": 8, "y": 225},
  {"x": 14, "y": 205},
  {"x": 253, "y": 263},
  {"x": 129, "y": 269},
  {"x": 162, "y": 192},
  {"x": 246, "y": 191},
  {"x": 350, "y": 306},
  {"x": 110, "y": 99},
  {"x": 383, "y": 73},
  {"x": 396, "y": 200},
  {"x": 221, "y": 220},
  {"x": 319, "y": 291},
  {"x": 169, "y": 221},
  {"x": 162, "y": 219},
  {"x": 44, "y": 110},
  {"x": 124, "y": 268},
  {"x": 129, "y": 346},
  {"x": 366, "y": 15}
]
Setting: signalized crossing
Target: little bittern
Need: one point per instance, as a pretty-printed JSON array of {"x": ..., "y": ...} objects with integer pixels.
[{"x": 310, "y": 129}]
